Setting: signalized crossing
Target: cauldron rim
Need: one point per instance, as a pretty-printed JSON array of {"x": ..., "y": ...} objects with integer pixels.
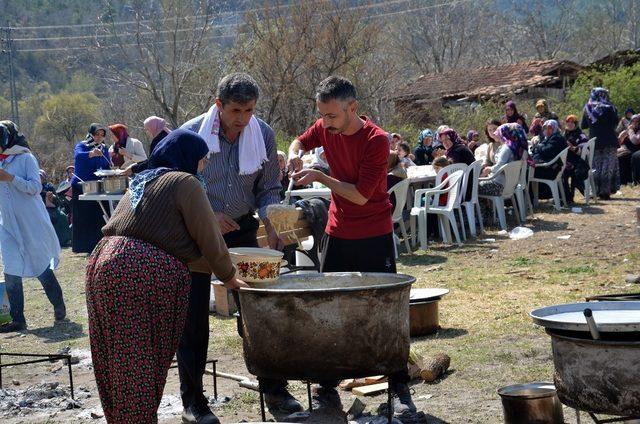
[{"x": 400, "y": 281}]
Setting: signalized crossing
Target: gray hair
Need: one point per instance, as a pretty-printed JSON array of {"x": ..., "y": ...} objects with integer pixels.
[
  {"x": 335, "y": 87},
  {"x": 238, "y": 87}
]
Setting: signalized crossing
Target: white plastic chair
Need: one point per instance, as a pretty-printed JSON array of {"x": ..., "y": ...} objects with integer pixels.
[
  {"x": 400, "y": 191},
  {"x": 587, "y": 153},
  {"x": 472, "y": 206},
  {"x": 449, "y": 169},
  {"x": 556, "y": 186},
  {"x": 511, "y": 173},
  {"x": 522, "y": 189},
  {"x": 446, "y": 214}
]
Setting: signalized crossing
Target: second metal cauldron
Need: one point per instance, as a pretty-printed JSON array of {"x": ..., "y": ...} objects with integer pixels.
[{"x": 331, "y": 326}]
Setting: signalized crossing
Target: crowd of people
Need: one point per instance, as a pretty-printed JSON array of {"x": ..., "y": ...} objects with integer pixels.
[
  {"x": 205, "y": 187},
  {"x": 616, "y": 155}
]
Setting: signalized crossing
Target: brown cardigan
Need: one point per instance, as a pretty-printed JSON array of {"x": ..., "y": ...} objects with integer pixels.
[{"x": 174, "y": 214}]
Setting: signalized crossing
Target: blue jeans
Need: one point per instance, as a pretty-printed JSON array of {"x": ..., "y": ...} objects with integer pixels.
[{"x": 51, "y": 288}]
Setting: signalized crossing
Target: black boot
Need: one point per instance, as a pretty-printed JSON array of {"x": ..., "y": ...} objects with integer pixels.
[
  {"x": 13, "y": 326},
  {"x": 402, "y": 401},
  {"x": 282, "y": 401},
  {"x": 199, "y": 415}
]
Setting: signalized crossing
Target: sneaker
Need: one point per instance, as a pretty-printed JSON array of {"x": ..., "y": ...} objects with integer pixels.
[
  {"x": 282, "y": 401},
  {"x": 402, "y": 401},
  {"x": 327, "y": 397},
  {"x": 199, "y": 415},
  {"x": 13, "y": 326}
]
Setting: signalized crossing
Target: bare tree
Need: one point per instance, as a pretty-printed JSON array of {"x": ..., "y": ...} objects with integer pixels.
[
  {"x": 548, "y": 25},
  {"x": 167, "y": 52},
  {"x": 290, "y": 49},
  {"x": 438, "y": 38}
]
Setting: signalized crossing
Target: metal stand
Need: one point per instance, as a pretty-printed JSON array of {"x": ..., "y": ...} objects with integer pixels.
[
  {"x": 263, "y": 414},
  {"x": 43, "y": 358},
  {"x": 213, "y": 363},
  {"x": 606, "y": 420}
]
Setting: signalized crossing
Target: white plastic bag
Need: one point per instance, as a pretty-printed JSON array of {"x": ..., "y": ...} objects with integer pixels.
[{"x": 520, "y": 233}]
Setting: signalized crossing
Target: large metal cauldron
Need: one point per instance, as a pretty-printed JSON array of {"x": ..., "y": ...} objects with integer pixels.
[
  {"x": 327, "y": 326},
  {"x": 596, "y": 375}
]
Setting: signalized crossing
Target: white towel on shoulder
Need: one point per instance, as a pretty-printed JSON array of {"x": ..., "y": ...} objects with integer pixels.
[{"x": 252, "y": 150}]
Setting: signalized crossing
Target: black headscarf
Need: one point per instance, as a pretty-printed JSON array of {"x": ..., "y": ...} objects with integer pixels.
[
  {"x": 10, "y": 136},
  {"x": 93, "y": 129}
]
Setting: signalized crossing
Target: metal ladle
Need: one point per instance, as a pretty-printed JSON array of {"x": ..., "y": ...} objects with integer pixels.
[{"x": 593, "y": 328}]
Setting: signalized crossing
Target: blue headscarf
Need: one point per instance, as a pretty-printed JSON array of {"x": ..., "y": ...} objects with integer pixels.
[
  {"x": 424, "y": 134},
  {"x": 598, "y": 104},
  {"x": 180, "y": 150}
]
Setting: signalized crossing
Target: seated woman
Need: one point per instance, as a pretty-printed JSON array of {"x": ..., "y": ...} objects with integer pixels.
[
  {"x": 456, "y": 151},
  {"x": 543, "y": 112},
  {"x": 486, "y": 152},
  {"x": 513, "y": 143},
  {"x": 548, "y": 148},
  {"x": 629, "y": 152},
  {"x": 625, "y": 121},
  {"x": 137, "y": 280},
  {"x": 424, "y": 151},
  {"x": 512, "y": 116},
  {"x": 576, "y": 169}
]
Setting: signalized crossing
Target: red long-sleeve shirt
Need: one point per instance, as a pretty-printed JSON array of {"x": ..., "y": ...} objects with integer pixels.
[{"x": 359, "y": 159}]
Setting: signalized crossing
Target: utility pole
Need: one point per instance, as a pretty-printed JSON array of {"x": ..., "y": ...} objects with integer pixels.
[{"x": 15, "y": 114}]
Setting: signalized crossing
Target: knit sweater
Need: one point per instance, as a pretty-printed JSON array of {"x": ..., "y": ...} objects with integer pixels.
[{"x": 174, "y": 214}]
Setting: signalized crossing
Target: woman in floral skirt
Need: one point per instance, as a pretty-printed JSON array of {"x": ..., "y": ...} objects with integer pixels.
[{"x": 138, "y": 277}]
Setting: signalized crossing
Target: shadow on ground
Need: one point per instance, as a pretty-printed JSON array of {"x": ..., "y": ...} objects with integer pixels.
[{"x": 59, "y": 332}]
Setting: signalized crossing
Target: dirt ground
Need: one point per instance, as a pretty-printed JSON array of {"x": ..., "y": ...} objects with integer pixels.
[{"x": 485, "y": 325}]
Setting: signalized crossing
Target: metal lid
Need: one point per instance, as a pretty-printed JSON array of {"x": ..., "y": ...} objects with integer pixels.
[
  {"x": 609, "y": 316},
  {"x": 419, "y": 295}
]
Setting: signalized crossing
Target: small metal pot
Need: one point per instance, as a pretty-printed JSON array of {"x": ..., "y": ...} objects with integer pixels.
[
  {"x": 91, "y": 187},
  {"x": 533, "y": 403},
  {"x": 115, "y": 185}
]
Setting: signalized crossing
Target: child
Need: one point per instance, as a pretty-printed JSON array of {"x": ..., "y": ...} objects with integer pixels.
[{"x": 404, "y": 150}]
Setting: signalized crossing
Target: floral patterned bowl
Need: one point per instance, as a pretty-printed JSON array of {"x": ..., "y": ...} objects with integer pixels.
[{"x": 256, "y": 265}]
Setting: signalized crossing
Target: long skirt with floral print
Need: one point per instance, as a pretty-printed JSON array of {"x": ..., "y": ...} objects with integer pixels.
[{"x": 137, "y": 297}]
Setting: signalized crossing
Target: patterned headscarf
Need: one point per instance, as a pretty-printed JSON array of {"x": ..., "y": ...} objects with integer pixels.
[
  {"x": 514, "y": 137},
  {"x": 423, "y": 135},
  {"x": 453, "y": 136},
  {"x": 553, "y": 124},
  {"x": 598, "y": 104},
  {"x": 471, "y": 134},
  {"x": 181, "y": 150},
  {"x": 635, "y": 118}
]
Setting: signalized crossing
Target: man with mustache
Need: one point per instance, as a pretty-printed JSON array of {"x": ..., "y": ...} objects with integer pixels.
[{"x": 359, "y": 230}]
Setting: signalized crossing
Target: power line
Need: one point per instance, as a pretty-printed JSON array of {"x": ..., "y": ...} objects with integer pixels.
[{"x": 353, "y": 8}]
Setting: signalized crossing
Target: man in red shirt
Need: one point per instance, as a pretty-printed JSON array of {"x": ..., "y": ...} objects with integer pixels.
[{"x": 359, "y": 229}]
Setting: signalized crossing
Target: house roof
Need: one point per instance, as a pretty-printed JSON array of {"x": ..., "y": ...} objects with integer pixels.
[
  {"x": 487, "y": 81},
  {"x": 619, "y": 58}
]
